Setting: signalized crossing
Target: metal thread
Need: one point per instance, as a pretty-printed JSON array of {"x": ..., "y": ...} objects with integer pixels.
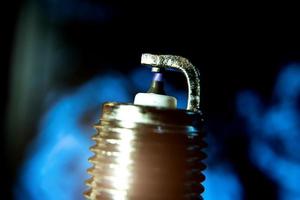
[{"x": 145, "y": 153}]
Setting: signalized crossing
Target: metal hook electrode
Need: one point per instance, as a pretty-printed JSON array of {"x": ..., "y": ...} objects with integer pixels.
[{"x": 182, "y": 64}]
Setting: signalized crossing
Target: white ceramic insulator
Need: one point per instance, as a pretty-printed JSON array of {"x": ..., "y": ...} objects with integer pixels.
[{"x": 156, "y": 100}]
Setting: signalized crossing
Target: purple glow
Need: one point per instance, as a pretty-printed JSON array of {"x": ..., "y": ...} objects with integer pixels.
[
  {"x": 57, "y": 160},
  {"x": 158, "y": 77}
]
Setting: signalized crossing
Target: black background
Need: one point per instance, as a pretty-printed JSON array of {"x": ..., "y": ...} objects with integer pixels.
[{"x": 235, "y": 47}]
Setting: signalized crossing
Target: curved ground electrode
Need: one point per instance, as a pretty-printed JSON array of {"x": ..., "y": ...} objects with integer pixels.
[{"x": 190, "y": 71}]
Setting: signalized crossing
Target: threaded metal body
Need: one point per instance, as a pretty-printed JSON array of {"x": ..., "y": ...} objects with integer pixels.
[{"x": 145, "y": 153}]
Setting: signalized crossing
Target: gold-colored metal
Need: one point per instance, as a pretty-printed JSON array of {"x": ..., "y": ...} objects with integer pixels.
[
  {"x": 147, "y": 153},
  {"x": 150, "y": 153}
]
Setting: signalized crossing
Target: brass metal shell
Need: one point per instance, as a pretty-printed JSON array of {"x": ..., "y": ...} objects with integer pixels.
[{"x": 145, "y": 153}]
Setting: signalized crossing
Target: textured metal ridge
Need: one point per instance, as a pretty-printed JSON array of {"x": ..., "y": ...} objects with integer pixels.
[
  {"x": 191, "y": 73},
  {"x": 138, "y": 160}
]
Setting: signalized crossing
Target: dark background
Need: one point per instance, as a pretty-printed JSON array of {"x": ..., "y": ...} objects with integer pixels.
[{"x": 235, "y": 47}]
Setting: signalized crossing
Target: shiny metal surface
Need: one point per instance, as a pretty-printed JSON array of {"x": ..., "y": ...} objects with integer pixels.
[
  {"x": 182, "y": 64},
  {"x": 146, "y": 153}
]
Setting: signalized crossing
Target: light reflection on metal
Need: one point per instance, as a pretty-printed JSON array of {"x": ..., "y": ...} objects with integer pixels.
[
  {"x": 186, "y": 67},
  {"x": 144, "y": 152},
  {"x": 38, "y": 179},
  {"x": 61, "y": 147},
  {"x": 159, "y": 157}
]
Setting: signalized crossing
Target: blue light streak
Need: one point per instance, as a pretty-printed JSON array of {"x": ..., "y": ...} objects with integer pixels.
[
  {"x": 56, "y": 164},
  {"x": 57, "y": 161},
  {"x": 275, "y": 131}
]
